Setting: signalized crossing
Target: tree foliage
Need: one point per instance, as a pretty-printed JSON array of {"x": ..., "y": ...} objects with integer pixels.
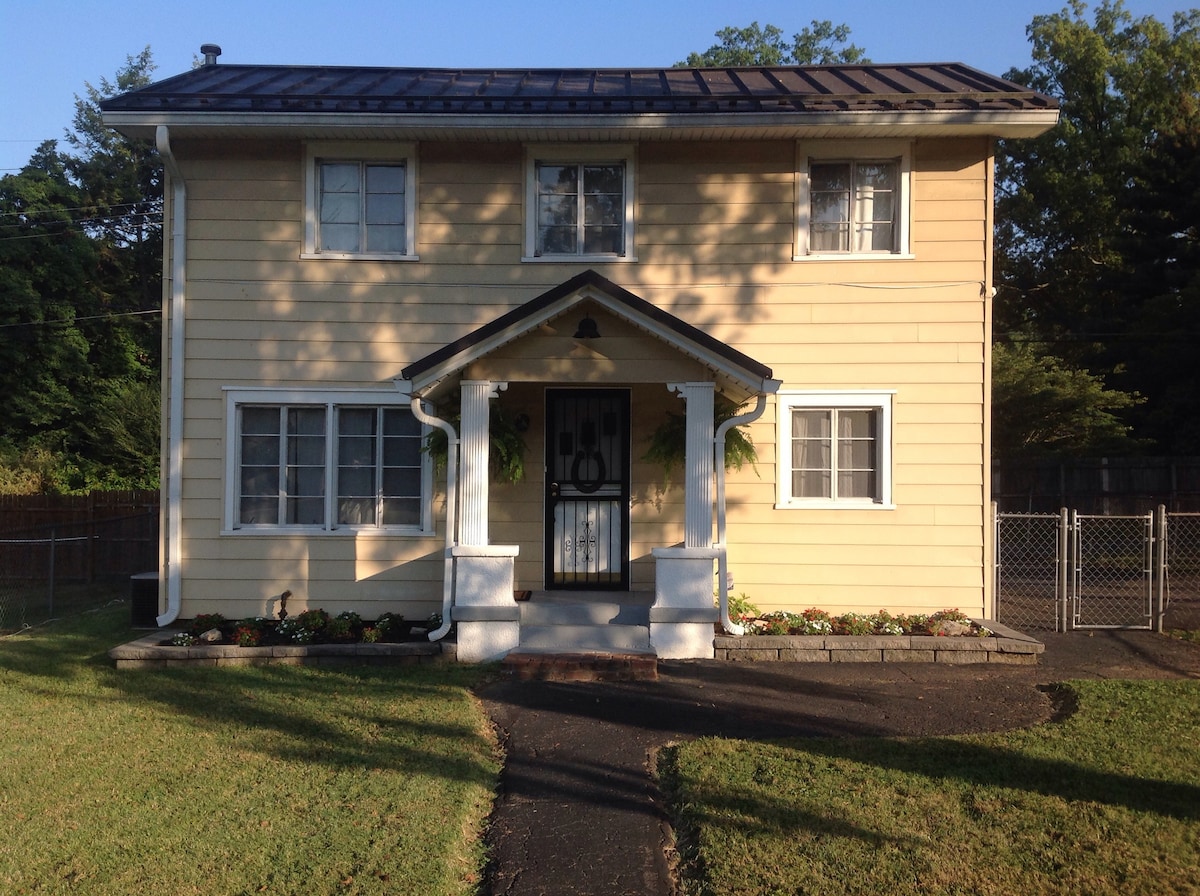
[
  {"x": 80, "y": 282},
  {"x": 1096, "y": 220},
  {"x": 821, "y": 43}
]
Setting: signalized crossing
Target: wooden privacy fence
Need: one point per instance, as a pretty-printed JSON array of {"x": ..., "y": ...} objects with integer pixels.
[
  {"x": 25, "y": 512},
  {"x": 1108, "y": 486}
]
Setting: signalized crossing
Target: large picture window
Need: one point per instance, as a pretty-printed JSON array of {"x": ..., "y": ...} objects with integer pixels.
[
  {"x": 327, "y": 466},
  {"x": 835, "y": 449},
  {"x": 580, "y": 203},
  {"x": 361, "y": 202}
]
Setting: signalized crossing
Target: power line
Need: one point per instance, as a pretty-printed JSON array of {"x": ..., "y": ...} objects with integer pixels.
[{"x": 75, "y": 320}]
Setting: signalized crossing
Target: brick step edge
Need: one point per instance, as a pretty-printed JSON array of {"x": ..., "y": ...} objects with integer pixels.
[{"x": 580, "y": 666}]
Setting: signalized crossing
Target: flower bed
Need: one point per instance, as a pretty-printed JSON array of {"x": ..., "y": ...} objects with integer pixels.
[
  {"x": 310, "y": 627},
  {"x": 944, "y": 623}
]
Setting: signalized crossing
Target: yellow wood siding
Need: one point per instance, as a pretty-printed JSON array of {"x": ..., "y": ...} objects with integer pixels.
[{"x": 714, "y": 241}]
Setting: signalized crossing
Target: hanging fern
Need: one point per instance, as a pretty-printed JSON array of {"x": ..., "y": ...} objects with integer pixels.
[
  {"x": 506, "y": 446},
  {"x": 668, "y": 443}
]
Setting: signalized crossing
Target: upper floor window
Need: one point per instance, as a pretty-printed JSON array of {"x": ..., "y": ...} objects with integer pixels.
[
  {"x": 835, "y": 449},
  {"x": 580, "y": 203},
  {"x": 301, "y": 460},
  {"x": 361, "y": 202},
  {"x": 852, "y": 202}
]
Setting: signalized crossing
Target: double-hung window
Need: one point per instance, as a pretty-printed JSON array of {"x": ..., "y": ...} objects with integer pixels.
[
  {"x": 853, "y": 205},
  {"x": 337, "y": 463},
  {"x": 361, "y": 202},
  {"x": 580, "y": 203},
  {"x": 835, "y": 449}
]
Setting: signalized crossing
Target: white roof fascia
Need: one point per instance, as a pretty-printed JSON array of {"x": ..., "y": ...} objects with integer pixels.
[{"x": 1023, "y": 123}]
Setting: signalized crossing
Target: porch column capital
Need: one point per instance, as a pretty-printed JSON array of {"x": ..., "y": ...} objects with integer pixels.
[
  {"x": 698, "y": 462},
  {"x": 474, "y": 436}
]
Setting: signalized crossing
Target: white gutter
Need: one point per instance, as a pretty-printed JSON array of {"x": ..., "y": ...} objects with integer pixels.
[
  {"x": 451, "y": 491},
  {"x": 175, "y": 398},
  {"x": 719, "y": 463}
]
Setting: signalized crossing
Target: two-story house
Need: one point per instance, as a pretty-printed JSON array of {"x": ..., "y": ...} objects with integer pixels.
[{"x": 598, "y": 262}]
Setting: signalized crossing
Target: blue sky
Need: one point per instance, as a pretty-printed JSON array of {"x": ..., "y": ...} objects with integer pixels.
[{"x": 54, "y": 47}]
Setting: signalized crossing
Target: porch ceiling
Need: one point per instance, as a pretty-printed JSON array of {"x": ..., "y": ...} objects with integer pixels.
[{"x": 631, "y": 328}]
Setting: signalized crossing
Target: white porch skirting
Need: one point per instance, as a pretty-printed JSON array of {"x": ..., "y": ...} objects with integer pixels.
[
  {"x": 487, "y": 617},
  {"x": 683, "y": 615}
]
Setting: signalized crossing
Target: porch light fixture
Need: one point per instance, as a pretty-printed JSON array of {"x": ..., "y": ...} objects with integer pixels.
[{"x": 587, "y": 329}]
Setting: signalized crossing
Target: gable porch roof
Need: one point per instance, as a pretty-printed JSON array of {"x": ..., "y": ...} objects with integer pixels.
[{"x": 730, "y": 367}]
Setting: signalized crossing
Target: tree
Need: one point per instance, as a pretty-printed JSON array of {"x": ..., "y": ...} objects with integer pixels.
[
  {"x": 1091, "y": 216},
  {"x": 80, "y": 261},
  {"x": 822, "y": 43},
  {"x": 1042, "y": 407}
]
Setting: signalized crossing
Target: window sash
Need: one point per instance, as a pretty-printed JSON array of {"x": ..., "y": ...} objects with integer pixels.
[
  {"x": 580, "y": 208},
  {"x": 289, "y": 456},
  {"x": 362, "y": 207},
  {"x": 836, "y": 453},
  {"x": 853, "y": 206}
]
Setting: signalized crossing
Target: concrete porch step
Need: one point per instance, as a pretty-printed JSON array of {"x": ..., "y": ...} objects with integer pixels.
[
  {"x": 581, "y": 613},
  {"x": 575, "y": 638},
  {"x": 539, "y": 665}
]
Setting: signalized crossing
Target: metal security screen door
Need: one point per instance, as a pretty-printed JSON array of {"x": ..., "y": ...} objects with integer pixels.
[{"x": 587, "y": 488}]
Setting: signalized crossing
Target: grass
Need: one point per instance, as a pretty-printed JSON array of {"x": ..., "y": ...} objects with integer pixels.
[
  {"x": 251, "y": 779},
  {"x": 1105, "y": 802}
]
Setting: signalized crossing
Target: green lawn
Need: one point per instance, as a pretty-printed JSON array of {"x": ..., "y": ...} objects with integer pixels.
[
  {"x": 281, "y": 780},
  {"x": 1106, "y": 802}
]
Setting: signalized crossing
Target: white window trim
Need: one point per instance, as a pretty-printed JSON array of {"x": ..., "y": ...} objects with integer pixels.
[
  {"x": 350, "y": 151},
  {"x": 789, "y": 400},
  {"x": 569, "y": 153},
  {"x": 854, "y": 151},
  {"x": 331, "y": 399}
]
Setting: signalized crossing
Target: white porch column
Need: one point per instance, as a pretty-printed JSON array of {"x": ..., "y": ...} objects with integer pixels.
[
  {"x": 698, "y": 463},
  {"x": 487, "y": 617},
  {"x": 476, "y": 413}
]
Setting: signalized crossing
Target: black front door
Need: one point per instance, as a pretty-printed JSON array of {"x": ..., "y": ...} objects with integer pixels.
[{"x": 587, "y": 488}]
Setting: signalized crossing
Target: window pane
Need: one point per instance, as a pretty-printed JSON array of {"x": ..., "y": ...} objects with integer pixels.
[
  {"x": 259, "y": 450},
  {"x": 875, "y": 175},
  {"x": 305, "y": 511},
  {"x": 401, "y": 481},
  {"x": 401, "y": 512},
  {"x": 602, "y": 241},
  {"x": 385, "y": 209},
  {"x": 339, "y": 237},
  {"x": 356, "y": 482},
  {"x": 340, "y": 208},
  {"x": 386, "y": 238},
  {"x": 385, "y": 179},
  {"x": 831, "y": 237},
  {"x": 306, "y": 421},
  {"x": 259, "y": 511},
  {"x": 556, "y": 240},
  {"x": 604, "y": 179},
  {"x": 811, "y": 484},
  {"x": 260, "y": 421},
  {"x": 558, "y": 210},
  {"x": 339, "y": 177},
  {"x": 401, "y": 422},
  {"x": 856, "y": 484},
  {"x": 558, "y": 179},
  {"x": 356, "y": 511}
]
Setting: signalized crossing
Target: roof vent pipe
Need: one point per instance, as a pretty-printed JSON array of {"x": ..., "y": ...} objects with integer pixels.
[{"x": 211, "y": 52}]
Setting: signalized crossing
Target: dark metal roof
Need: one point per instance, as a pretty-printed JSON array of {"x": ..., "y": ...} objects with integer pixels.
[{"x": 426, "y": 91}]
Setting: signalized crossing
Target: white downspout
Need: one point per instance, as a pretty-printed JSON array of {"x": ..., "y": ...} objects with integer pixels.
[
  {"x": 451, "y": 491},
  {"x": 175, "y": 397},
  {"x": 722, "y": 558}
]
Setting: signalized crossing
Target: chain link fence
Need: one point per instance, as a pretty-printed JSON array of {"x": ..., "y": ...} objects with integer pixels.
[
  {"x": 51, "y": 571},
  {"x": 1064, "y": 571}
]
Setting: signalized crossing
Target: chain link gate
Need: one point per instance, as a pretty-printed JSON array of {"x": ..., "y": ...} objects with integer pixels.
[
  {"x": 1066, "y": 571},
  {"x": 1112, "y": 571},
  {"x": 1029, "y": 570}
]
